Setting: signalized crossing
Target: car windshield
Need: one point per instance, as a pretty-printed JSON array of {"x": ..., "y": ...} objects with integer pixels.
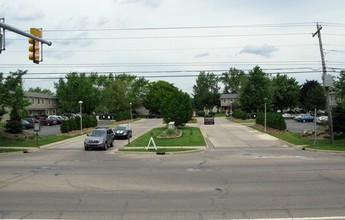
[
  {"x": 98, "y": 133},
  {"x": 120, "y": 128}
]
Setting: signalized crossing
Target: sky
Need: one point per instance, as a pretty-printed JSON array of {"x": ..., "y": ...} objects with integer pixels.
[{"x": 173, "y": 40}]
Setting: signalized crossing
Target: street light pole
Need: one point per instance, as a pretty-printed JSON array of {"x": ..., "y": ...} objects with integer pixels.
[
  {"x": 130, "y": 109},
  {"x": 265, "y": 115},
  {"x": 81, "y": 118}
]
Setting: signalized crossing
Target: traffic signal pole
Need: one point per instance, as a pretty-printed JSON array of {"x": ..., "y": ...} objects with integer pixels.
[{"x": 23, "y": 33}]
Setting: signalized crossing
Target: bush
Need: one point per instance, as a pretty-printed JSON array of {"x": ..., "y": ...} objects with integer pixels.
[
  {"x": 73, "y": 124},
  {"x": 237, "y": 113},
  {"x": 273, "y": 120},
  {"x": 201, "y": 113},
  {"x": 14, "y": 126},
  {"x": 338, "y": 118},
  {"x": 64, "y": 128}
]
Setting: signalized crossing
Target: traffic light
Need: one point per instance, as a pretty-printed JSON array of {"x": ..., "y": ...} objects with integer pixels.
[{"x": 34, "y": 45}]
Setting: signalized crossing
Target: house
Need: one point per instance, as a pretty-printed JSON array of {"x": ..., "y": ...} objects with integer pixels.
[
  {"x": 41, "y": 104},
  {"x": 226, "y": 102}
]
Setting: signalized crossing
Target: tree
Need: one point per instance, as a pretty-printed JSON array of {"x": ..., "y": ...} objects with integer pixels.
[
  {"x": 74, "y": 88},
  {"x": 206, "y": 91},
  {"x": 177, "y": 107},
  {"x": 156, "y": 94},
  {"x": 121, "y": 91},
  {"x": 285, "y": 92},
  {"x": 233, "y": 80},
  {"x": 40, "y": 90},
  {"x": 340, "y": 85},
  {"x": 312, "y": 95},
  {"x": 256, "y": 91},
  {"x": 16, "y": 101}
]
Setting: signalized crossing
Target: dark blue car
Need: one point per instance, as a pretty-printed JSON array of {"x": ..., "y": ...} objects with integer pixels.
[{"x": 305, "y": 118}]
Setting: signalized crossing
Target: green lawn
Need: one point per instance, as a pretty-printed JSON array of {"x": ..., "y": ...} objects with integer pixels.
[
  {"x": 9, "y": 150},
  {"x": 298, "y": 139},
  {"x": 31, "y": 142},
  {"x": 191, "y": 136}
]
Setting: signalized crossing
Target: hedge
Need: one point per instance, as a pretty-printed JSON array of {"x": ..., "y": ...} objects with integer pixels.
[
  {"x": 237, "y": 113},
  {"x": 74, "y": 123},
  {"x": 273, "y": 120}
]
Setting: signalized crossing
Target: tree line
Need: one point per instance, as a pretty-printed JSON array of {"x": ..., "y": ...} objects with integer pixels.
[{"x": 117, "y": 94}]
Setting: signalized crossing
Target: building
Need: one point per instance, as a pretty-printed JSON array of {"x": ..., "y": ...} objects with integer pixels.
[
  {"x": 41, "y": 104},
  {"x": 226, "y": 102}
]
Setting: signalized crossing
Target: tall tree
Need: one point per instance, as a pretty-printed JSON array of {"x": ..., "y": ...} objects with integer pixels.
[
  {"x": 206, "y": 91},
  {"x": 285, "y": 92},
  {"x": 312, "y": 95},
  {"x": 74, "y": 88},
  {"x": 157, "y": 92},
  {"x": 256, "y": 91},
  {"x": 233, "y": 80}
]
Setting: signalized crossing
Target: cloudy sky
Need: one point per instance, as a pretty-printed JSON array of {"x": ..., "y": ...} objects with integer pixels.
[{"x": 174, "y": 40}]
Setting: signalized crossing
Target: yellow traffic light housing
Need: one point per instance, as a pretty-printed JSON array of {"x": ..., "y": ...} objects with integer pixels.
[{"x": 34, "y": 46}]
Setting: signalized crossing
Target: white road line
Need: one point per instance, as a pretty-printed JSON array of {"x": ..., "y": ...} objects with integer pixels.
[{"x": 304, "y": 218}]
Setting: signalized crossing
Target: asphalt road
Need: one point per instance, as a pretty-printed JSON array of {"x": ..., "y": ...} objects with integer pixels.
[{"x": 244, "y": 174}]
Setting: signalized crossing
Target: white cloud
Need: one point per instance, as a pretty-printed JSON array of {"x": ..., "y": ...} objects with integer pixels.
[
  {"x": 264, "y": 50},
  {"x": 86, "y": 33}
]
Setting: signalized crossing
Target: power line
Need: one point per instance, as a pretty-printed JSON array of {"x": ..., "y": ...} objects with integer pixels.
[{"x": 281, "y": 25}]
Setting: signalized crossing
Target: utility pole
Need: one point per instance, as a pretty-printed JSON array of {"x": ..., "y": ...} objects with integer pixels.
[{"x": 326, "y": 83}]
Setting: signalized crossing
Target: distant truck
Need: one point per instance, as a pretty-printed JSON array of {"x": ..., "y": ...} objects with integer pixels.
[{"x": 209, "y": 119}]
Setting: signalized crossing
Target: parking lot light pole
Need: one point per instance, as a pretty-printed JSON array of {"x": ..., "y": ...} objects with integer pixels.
[
  {"x": 130, "y": 109},
  {"x": 265, "y": 114},
  {"x": 81, "y": 117}
]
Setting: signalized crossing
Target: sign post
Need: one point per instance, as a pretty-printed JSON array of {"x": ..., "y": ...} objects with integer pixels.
[{"x": 37, "y": 128}]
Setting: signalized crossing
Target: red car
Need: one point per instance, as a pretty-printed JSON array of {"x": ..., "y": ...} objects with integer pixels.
[{"x": 48, "y": 121}]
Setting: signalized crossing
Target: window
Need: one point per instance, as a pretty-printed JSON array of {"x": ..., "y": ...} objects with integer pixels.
[{"x": 33, "y": 101}]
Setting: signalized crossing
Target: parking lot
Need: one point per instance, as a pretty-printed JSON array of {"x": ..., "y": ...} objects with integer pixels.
[{"x": 295, "y": 126}]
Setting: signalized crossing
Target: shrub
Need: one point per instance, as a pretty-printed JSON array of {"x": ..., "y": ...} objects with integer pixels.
[
  {"x": 64, "y": 128},
  {"x": 273, "y": 120},
  {"x": 73, "y": 125},
  {"x": 201, "y": 113},
  {"x": 237, "y": 113}
]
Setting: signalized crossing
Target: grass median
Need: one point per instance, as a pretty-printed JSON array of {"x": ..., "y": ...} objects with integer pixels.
[
  {"x": 190, "y": 139},
  {"x": 306, "y": 141}
]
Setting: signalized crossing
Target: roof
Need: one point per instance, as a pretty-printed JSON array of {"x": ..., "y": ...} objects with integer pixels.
[
  {"x": 39, "y": 95},
  {"x": 229, "y": 96}
]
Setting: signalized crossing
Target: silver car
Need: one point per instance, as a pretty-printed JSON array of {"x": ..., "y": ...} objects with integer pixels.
[{"x": 99, "y": 138}]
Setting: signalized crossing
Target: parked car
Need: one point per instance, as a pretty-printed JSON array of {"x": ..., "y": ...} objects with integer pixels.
[
  {"x": 322, "y": 120},
  {"x": 123, "y": 131},
  {"x": 48, "y": 121},
  {"x": 288, "y": 116},
  {"x": 100, "y": 138},
  {"x": 154, "y": 115},
  {"x": 26, "y": 124},
  {"x": 305, "y": 118},
  {"x": 32, "y": 121},
  {"x": 208, "y": 119}
]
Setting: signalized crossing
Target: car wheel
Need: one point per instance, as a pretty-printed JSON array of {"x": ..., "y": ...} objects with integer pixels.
[
  {"x": 85, "y": 148},
  {"x": 105, "y": 146},
  {"x": 303, "y": 121},
  {"x": 48, "y": 124}
]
